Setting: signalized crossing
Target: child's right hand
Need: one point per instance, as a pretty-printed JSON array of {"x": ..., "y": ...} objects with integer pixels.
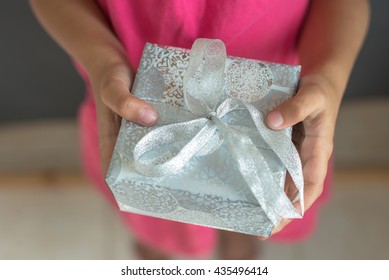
[
  {"x": 83, "y": 31},
  {"x": 114, "y": 101}
]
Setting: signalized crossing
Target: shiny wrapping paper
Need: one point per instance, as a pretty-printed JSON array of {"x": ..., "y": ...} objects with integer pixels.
[{"x": 210, "y": 160}]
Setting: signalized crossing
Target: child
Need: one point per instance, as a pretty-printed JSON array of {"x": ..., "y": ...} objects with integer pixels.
[{"x": 106, "y": 39}]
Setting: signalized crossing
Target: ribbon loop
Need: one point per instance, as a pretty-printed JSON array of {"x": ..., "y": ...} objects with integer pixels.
[{"x": 204, "y": 77}]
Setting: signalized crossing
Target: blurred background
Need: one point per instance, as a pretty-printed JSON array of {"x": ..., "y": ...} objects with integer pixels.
[{"x": 49, "y": 211}]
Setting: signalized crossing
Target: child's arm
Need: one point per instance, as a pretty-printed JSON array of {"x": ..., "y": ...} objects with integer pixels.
[
  {"x": 329, "y": 44},
  {"x": 81, "y": 29}
]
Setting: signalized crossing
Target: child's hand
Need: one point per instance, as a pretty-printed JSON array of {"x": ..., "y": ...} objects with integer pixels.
[
  {"x": 329, "y": 43},
  {"x": 84, "y": 32},
  {"x": 312, "y": 112},
  {"x": 113, "y": 102}
]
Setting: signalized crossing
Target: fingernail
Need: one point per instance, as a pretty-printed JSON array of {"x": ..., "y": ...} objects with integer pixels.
[
  {"x": 148, "y": 116},
  {"x": 274, "y": 119}
]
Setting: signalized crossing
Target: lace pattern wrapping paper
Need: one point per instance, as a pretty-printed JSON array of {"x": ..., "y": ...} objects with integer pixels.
[{"x": 209, "y": 189}]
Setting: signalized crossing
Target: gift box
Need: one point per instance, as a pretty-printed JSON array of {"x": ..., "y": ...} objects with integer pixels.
[{"x": 209, "y": 160}]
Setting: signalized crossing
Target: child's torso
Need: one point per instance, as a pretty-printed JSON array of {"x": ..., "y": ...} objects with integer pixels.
[{"x": 260, "y": 29}]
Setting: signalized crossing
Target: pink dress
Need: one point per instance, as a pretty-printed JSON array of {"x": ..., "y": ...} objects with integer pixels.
[{"x": 259, "y": 29}]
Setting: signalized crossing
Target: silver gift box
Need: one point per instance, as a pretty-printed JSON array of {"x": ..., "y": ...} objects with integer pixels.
[{"x": 210, "y": 188}]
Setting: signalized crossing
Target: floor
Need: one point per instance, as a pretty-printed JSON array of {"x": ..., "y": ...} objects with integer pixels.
[
  {"x": 67, "y": 219},
  {"x": 49, "y": 211}
]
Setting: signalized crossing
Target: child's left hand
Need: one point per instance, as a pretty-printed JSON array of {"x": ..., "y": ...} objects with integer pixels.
[
  {"x": 312, "y": 112},
  {"x": 329, "y": 43}
]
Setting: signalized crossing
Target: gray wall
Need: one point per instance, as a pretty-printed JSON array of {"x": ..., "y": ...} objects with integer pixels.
[
  {"x": 370, "y": 75},
  {"x": 38, "y": 81}
]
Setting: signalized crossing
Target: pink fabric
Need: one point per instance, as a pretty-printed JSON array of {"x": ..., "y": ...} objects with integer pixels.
[{"x": 259, "y": 29}]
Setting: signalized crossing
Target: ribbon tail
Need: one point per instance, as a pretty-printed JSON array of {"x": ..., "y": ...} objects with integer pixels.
[
  {"x": 258, "y": 176},
  {"x": 284, "y": 148}
]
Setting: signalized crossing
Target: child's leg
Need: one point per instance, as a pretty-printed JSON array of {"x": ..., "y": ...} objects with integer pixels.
[{"x": 238, "y": 246}]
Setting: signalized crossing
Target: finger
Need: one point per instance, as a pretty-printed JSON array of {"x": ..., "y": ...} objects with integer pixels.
[
  {"x": 313, "y": 189},
  {"x": 106, "y": 153},
  {"x": 117, "y": 97},
  {"x": 315, "y": 171},
  {"x": 283, "y": 223},
  {"x": 296, "y": 109},
  {"x": 108, "y": 129}
]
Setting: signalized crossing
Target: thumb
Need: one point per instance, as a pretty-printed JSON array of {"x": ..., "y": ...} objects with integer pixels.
[
  {"x": 294, "y": 110},
  {"x": 119, "y": 99}
]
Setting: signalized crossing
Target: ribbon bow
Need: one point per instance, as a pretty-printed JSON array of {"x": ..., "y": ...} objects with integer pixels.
[{"x": 203, "y": 119}]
